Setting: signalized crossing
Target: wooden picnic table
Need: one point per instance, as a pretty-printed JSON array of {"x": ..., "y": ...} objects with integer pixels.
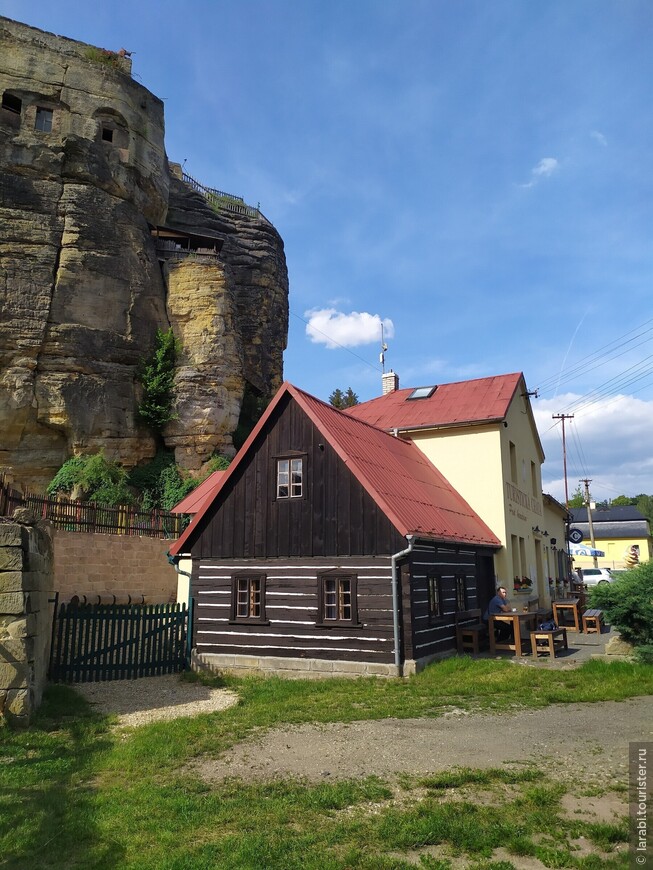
[
  {"x": 522, "y": 623},
  {"x": 567, "y": 604}
]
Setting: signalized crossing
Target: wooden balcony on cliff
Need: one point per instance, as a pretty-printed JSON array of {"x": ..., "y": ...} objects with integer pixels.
[{"x": 175, "y": 245}]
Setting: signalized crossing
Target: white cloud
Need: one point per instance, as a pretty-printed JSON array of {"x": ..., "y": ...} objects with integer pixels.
[
  {"x": 335, "y": 329},
  {"x": 599, "y": 137},
  {"x": 546, "y": 167},
  {"x": 608, "y": 442}
]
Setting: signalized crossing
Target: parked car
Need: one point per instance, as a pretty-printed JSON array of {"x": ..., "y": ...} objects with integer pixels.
[{"x": 592, "y": 576}]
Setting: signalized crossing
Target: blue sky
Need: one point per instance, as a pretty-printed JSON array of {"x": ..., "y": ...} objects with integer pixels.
[{"x": 476, "y": 175}]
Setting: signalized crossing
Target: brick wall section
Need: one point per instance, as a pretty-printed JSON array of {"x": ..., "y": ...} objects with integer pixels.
[
  {"x": 26, "y": 585},
  {"x": 107, "y": 565}
]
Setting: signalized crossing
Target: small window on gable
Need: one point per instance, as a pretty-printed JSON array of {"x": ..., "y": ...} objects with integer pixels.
[
  {"x": 12, "y": 103},
  {"x": 434, "y": 590},
  {"x": 422, "y": 393},
  {"x": 461, "y": 592},
  {"x": 337, "y": 599},
  {"x": 290, "y": 478},
  {"x": 43, "y": 120},
  {"x": 248, "y": 598},
  {"x": 107, "y": 134}
]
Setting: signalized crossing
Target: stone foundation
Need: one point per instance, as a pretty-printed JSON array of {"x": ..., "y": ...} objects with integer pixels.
[{"x": 293, "y": 668}]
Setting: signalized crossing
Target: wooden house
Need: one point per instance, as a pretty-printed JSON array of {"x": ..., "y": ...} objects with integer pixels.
[{"x": 330, "y": 546}]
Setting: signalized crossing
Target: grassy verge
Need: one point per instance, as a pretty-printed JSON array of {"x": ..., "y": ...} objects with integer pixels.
[{"x": 75, "y": 793}]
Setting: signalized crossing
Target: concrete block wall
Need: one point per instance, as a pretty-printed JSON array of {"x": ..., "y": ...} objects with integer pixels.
[
  {"x": 26, "y": 585},
  {"x": 107, "y": 565}
]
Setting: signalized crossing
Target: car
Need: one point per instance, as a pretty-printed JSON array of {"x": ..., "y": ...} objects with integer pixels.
[{"x": 592, "y": 576}]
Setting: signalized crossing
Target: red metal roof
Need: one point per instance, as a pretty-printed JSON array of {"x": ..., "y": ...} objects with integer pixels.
[
  {"x": 408, "y": 488},
  {"x": 477, "y": 401},
  {"x": 194, "y": 501}
]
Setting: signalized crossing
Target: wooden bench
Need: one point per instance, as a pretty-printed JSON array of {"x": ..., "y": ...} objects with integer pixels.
[
  {"x": 593, "y": 621},
  {"x": 470, "y": 631},
  {"x": 548, "y": 641}
]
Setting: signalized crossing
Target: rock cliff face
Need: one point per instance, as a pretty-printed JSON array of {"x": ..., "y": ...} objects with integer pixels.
[{"x": 84, "y": 284}]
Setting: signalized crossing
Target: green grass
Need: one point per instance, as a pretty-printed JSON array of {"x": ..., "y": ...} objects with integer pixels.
[{"x": 76, "y": 793}]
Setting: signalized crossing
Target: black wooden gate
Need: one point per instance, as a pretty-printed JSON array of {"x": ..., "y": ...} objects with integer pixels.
[{"x": 92, "y": 642}]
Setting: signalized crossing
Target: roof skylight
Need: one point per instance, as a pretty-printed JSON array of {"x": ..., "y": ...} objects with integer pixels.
[{"x": 422, "y": 392}]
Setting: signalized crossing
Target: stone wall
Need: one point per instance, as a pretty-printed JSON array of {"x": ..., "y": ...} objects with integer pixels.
[
  {"x": 107, "y": 565},
  {"x": 26, "y": 585}
]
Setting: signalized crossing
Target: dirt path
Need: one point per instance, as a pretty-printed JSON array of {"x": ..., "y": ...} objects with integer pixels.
[
  {"x": 577, "y": 740},
  {"x": 572, "y": 740}
]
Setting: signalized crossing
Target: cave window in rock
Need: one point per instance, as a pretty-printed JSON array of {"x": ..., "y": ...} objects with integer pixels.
[
  {"x": 12, "y": 103},
  {"x": 43, "y": 121},
  {"x": 114, "y": 134}
]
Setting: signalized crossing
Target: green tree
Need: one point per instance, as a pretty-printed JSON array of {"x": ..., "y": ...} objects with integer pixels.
[
  {"x": 628, "y": 606},
  {"x": 157, "y": 375},
  {"x": 342, "y": 400},
  {"x": 623, "y": 501},
  {"x": 577, "y": 498},
  {"x": 645, "y": 506}
]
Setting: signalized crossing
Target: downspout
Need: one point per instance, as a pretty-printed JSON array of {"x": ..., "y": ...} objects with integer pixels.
[
  {"x": 395, "y": 598},
  {"x": 174, "y": 561}
]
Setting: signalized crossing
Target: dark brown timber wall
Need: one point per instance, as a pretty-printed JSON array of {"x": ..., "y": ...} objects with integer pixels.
[
  {"x": 427, "y": 637},
  {"x": 291, "y": 606},
  {"x": 335, "y": 516}
]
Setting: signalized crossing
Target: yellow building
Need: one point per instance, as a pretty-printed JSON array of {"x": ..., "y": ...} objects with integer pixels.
[
  {"x": 622, "y": 532},
  {"x": 481, "y": 435}
]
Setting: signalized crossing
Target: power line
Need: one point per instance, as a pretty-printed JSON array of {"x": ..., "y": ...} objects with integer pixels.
[
  {"x": 606, "y": 353},
  {"x": 333, "y": 341}
]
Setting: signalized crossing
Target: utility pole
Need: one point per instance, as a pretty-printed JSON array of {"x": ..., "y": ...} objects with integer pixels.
[
  {"x": 589, "y": 518},
  {"x": 564, "y": 417}
]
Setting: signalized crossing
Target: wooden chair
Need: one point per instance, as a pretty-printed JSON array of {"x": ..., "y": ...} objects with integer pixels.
[{"x": 471, "y": 631}]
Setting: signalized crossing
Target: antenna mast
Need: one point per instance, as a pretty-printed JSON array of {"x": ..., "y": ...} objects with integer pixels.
[{"x": 384, "y": 348}]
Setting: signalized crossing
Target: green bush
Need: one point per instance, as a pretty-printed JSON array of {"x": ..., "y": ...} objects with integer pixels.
[
  {"x": 161, "y": 483},
  {"x": 217, "y": 463},
  {"x": 95, "y": 477},
  {"x": 628, "y": 606}
]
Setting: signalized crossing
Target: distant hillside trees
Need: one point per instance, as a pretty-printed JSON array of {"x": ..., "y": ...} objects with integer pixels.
[{"x": 342, "y": 400}]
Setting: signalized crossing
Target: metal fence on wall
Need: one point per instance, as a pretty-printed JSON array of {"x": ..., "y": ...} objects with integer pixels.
[{"x": 79, "y": 516}]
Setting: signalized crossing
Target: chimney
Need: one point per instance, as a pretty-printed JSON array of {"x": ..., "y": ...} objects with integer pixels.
[{"x": 389, "y": 382}]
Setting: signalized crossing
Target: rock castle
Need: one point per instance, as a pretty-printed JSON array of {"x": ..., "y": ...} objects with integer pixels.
[{"x": 103, "y": 242}]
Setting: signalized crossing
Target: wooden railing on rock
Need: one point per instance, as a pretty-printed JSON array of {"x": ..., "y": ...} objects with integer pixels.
[{"x": 218, "y": 199}]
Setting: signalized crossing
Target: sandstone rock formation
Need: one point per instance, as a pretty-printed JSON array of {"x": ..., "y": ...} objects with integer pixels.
[{"x": 84, "y": 284}]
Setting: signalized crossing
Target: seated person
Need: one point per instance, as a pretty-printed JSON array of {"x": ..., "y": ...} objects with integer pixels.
[{"x": 502, "y": 630}]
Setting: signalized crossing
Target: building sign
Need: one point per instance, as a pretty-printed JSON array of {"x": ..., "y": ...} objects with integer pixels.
[
  {"x": 519, "y": 499},
  {"x": 575, "y": 536}
]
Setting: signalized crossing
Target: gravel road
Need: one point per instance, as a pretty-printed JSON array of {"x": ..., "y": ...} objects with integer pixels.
[{"x": 574, "y": 740}]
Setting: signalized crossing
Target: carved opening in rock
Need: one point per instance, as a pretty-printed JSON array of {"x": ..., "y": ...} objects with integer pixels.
[
  {"x": 12, "y": 103},
  {"x": 112, "y": 128}
]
